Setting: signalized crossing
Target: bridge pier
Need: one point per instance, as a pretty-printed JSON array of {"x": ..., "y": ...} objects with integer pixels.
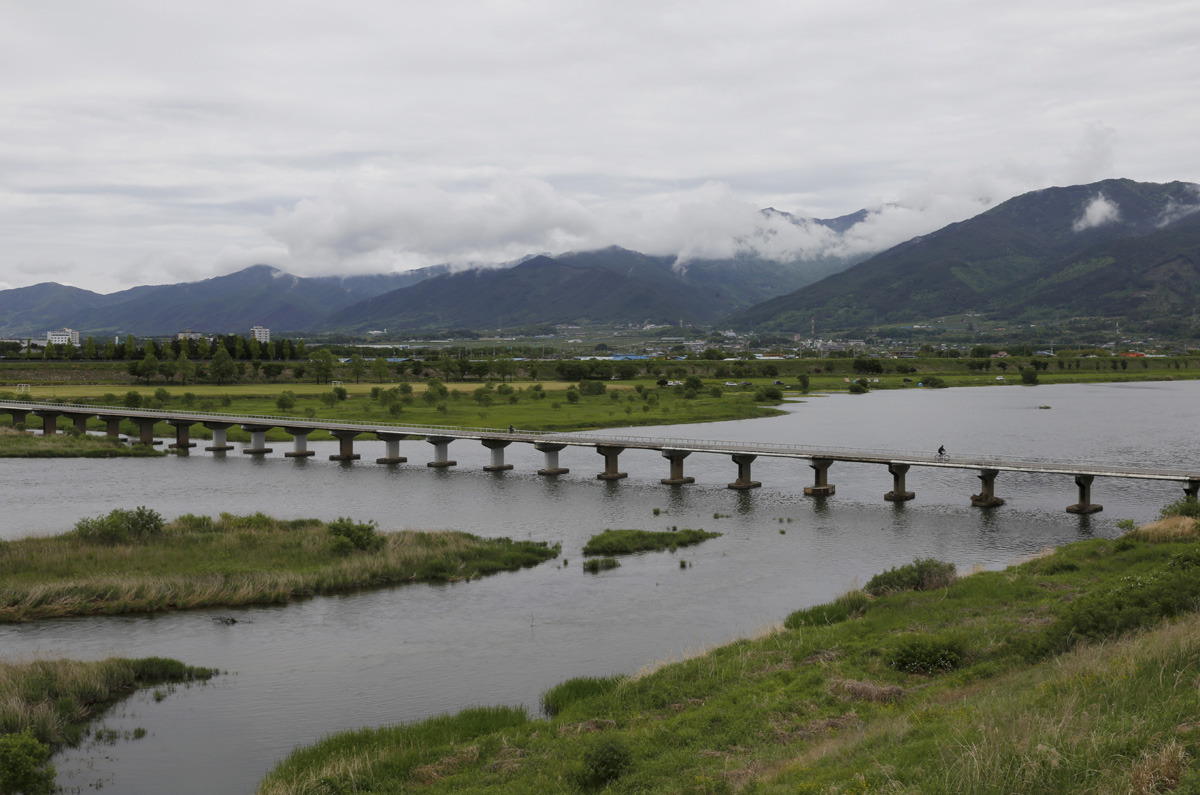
[
  {"x": 986, "y": 498},
  {"x": 218, "y": 429},
  {"x": 743, "y": 461},
  {"x": 18, "y": 416},
  {"x": 345, "y": 446},
  {"x": 112, "y": 425},
  {"x": 676, "y": 458},
  {"x": 145, "y": 430},
  {"x": 821, "y": 486},
  {"x": 183, "y": 434},
  {"x": 1085, "y": 504},
  {"x": 1191, "y": 488},
  {"x": 898, "y": 494},
  {"x": 299, "y": 443},
  {"x": 611, "y": 468},
  {"x": 80, "y": 420},
  {"x": 497, "y": 447},
  {"x": 551, "y": 452},
  {"x": 392, "y": 443},
  {"x": 258, "y": 439},
  {"x": 49, "y": 421},
  {"x": 441, "y": 451}
]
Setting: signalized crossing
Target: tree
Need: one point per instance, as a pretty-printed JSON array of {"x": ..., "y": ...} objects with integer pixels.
[
  {"x": 322, "y": 365},
  {"x": 379, "y": 368},
  {"x": 184, "y": 366},
  {"x": 89, "y": 348},
  {"x": 358, "y": 366},
  {"x": 301, "y": 350},
  {"x": 287, "y": 350},
  {"x": 149, "y": 366},
  {"x": 254, "y": 348},
  {"x": 130, "y": 347},
  {"x": 256, "y": 365},
  {"x": 110, "y": 350},
  {"x": 272, "y": 370},
  {"x": 222, "y": 369},
  {"x": 167, "y": 368},
  {"x": 286, "y": 401},
  {"x": 24, "y": 765},
  {"x": 68, "y": 351},
  {"x": 202, "y": 348}
]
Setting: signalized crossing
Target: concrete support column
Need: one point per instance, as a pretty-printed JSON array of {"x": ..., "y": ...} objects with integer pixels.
[
  {"x": 1191, "y": 488},
  {"x": 49, "y": 421},
  {"x": 676, "y": 458},
  {"x": 258, "y": 439},
  {"x": 112, "y": 425},
  {"x": 551, "y": 453},
  {"x": 441, "y": 451},
  {"x": 299, "y": 443},
  {"x": 986, "y": 498},
  {"x": 497, "y": 447},
  {"x": 821, "y": 486},
  {"x": 346, "y": 446},
  {"x": 218, "y": 431},
  {"x": 744, "y": 481},
  {"x": 80, "y": 420},
  {"x": 611, "y": 468},
  {"x": 183, "y": 435},
  {"x": 1085, "y": 504},
  {"x": 392, "y": 442},
  {"x": 18, "y": 416},
  {"x": 898, "y": 494},
  {"x": 145, "y": 430}
]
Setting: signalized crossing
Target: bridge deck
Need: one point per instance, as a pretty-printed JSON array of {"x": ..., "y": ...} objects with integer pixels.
[{"x": 886, "y": 457}]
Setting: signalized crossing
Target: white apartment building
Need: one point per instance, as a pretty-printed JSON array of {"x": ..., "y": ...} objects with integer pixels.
[
  {"x": 261, "y": 334},
  {"x": 62, "y": 337}
]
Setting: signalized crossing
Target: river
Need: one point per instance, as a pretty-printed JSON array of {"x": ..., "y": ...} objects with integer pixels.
[{"x": 297, "y": 672}]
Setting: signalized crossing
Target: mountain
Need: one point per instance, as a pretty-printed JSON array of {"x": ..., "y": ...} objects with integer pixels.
[
  {"x": 258, "y": 295},
  {"x": 1016, "y": 259},
  {"x": 611, "y": 285}
]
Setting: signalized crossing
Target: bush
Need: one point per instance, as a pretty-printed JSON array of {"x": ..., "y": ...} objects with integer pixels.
[
  {"x": 596, "y": 565},
  {"x": 121, "y": 526},
  {"x": 858, "y": 388},
  {"x": 360, "y": 535},
  {"x": 605, "y": 760},
  {"x": 1184, "y": 506},
  {"x": 190, "y": 523},
  {"x": 1029, "y": 376},
  {"x": 592, "y": 387},
  {"x": 132, "y": 399},
  {"x": 933, "y": 382},
  {"x": 923, "y": 574},
  {"x": 927, "y": 654},
  {"x": 24, "y": 765}
]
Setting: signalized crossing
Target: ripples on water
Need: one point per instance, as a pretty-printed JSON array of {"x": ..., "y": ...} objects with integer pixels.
[{"x": 299, "y": 672}]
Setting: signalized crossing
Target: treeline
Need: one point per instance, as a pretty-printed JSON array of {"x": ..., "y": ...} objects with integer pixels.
[{"x": 237, "y": 346}]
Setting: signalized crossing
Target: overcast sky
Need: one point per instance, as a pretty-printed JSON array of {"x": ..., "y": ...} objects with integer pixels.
[{"x": 147, "y": 142}]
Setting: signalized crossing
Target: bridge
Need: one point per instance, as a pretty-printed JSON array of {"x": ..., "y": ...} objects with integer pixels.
[{"x": 743, "y": 454}]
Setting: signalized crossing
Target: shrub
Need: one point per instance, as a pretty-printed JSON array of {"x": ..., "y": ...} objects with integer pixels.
[
  {"x": 132, "y": 399},
  {"x": 927, "y": 654},
  {"x": 121, "y": 526},
  {"x": 1029, "y": 376},
  {"x": 24, "y": 765},
  {"x": 190, "y": 523},
  {"x": 933, "y": 382},
  {"x": 360, "y": 535},
  {"x": 1184, "y": 506},
  {"x": 923, "y": 574},
  {"x": 592, "y": 387},
  {"x": 605, "y": 760},
  {"x": 857, "y": 388}
]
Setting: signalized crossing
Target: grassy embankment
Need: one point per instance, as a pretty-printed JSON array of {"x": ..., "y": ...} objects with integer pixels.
[
  {"x": 1075, "y": 672},
  {"x": 15, "y": 444},
  {"x": 130, "y": 561}
]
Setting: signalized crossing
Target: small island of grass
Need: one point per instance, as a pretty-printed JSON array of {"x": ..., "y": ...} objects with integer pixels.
[
  {"x": 132, "y": 561},
  {"x": 15, "y": 443},
  {"x": 626, "y": 542}
]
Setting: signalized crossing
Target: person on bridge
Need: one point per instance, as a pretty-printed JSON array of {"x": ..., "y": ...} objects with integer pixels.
[
  {"x": 941, "y": 451},
  {"x": 511, "y": 429}
]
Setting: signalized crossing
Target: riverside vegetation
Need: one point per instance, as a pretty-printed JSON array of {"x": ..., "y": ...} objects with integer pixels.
[
  {"x": 132, "y": 561},
  {"x": 1077, "y": 671},
  {"x": 15, "y": 444},
  {"x": 626, "y": 542},
  {"x": 47, "y": 703}
]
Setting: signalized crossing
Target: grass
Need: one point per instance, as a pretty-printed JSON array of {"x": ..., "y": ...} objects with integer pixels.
[
  {"x": 19, "y": 444},
  {"x": 101, "y": 568},
  {"x": 996, "y": 682},
  {"x": 54, "y": 699},
  {"x": 597, "y": 565},
  {"x": 626, "y": 542}
]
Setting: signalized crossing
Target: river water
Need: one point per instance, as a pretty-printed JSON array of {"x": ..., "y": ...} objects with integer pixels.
[{"x": 298, "y": 672}]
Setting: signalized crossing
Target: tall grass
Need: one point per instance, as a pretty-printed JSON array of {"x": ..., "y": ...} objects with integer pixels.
[
  {"x": 55, "y": 698},
  {"x": 23, "y": 444},
  {"x": 231, "y": 561},
  {"x": 625, "y": 542}
]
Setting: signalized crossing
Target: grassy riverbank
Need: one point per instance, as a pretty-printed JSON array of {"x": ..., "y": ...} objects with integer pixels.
[
  {"x": 1075, "y": 672},
  {"x": 130, "y": 561},
  {"x": 20, "y": 444}
]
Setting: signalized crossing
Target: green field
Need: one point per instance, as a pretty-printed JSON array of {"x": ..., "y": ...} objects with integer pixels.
[{"x": 1075, "y": 672}]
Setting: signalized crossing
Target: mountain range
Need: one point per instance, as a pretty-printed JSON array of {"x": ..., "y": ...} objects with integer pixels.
[{"x": 1111, "y": 248}]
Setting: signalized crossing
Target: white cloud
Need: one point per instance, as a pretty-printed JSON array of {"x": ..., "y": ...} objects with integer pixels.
[{"x": 1098, "y": 212}]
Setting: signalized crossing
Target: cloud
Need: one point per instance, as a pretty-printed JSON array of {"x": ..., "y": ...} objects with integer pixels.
[{"x": 1099, "y": 211}]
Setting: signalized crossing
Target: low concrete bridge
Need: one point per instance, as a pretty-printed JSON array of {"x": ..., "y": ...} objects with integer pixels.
[{"x": 743, "y": 454}]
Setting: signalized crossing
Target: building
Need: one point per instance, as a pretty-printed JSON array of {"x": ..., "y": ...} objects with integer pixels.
[
  {"x": 261, "y": 334},
  {"x": 188, "y": 334},
  {"x": 62, "y": 337}
]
